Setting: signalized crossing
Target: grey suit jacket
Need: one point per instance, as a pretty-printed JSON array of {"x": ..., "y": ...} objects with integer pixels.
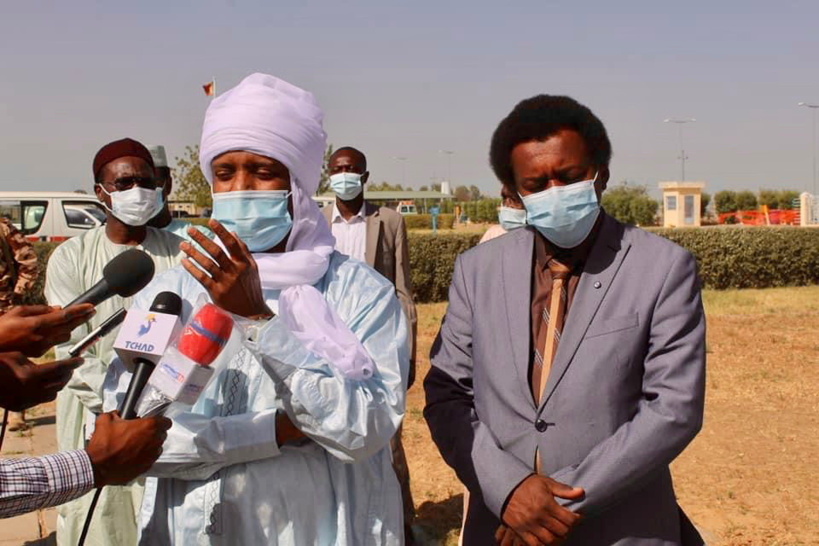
[
  {"x": 624, "y": 396},
  {"x": 387, "y": 252}
]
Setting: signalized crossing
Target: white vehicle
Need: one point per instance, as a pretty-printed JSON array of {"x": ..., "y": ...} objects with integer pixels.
[
  {"x": 406, "y": 208},
  {"x": 51, "y": 216}
]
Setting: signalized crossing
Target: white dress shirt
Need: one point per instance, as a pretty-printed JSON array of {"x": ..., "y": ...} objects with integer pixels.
[{"x": 351, "y": 235}]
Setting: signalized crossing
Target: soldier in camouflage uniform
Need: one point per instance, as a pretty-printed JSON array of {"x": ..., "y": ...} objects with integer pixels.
[{"x": 18, "y": 275}]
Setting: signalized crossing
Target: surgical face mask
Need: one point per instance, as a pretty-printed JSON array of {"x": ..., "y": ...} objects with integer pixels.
[
  {"x": 347, "y": 186},
  {"x": 259, "y": 218},
  {"x": 565, "y": 215},
  {"x": 134, "y": 207},
  {"x": 511, "y": 218},
  {"x": 160, "y": 201}
]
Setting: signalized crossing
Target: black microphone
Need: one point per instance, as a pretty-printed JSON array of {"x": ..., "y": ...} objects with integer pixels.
[
  {"x": 100, "y": 331},
  {"x": 169, "y": 304},
  {"x": 123, "y": 276}
]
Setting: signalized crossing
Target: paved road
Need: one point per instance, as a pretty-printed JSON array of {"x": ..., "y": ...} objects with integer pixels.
[{"x": 37, "y": 528}]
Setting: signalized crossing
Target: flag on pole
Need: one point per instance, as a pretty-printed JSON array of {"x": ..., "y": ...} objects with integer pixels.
[{"x": 210, "y": 88}]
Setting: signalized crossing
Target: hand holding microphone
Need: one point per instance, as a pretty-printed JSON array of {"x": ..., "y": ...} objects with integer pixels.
[
  {"x": 121, "y": 450},
  {"x": 24, "y": 384},
  {"x": 34, "y": 329}
]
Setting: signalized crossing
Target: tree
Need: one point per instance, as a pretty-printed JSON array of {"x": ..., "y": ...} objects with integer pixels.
[
  {"x": 705, "y": 199},
  {"x": 746, "y": 200},
  {"x": 725, "y": 201},
  {"x": 386, "y": 186},
  {"x": 787, "y": 198},
  {"x": 423, "y": 188},
  {"x": 436, "y": 187},
  {"x": 189, "y": 182},
  {"x": 462, "y": 193},
  {"x": 475, "y": 192},
  {"x": 630, "y": 204},
  {"x": 81, "y": 191},
  {"x": 778, "y": 199},
  {"x": 324, "y": 180}
]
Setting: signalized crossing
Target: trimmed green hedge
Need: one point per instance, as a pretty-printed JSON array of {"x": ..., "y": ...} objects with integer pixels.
[
  {"x": 751, "y": 257},
  {"x": 727, "y": 257},
  {"x": 424, "y": 221},
  {"x": 432, "y": 259}
]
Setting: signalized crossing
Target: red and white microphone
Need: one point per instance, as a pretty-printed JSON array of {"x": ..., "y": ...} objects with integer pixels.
[{"x": 185, "y": 371}]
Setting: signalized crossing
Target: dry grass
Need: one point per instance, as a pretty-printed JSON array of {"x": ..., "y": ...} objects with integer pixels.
[{"x": 748, "y": 477}]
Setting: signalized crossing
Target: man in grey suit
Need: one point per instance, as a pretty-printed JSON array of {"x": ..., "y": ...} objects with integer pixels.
[
  {"x": 377, "y": 236},
  {"x": 570, "y": 367}
]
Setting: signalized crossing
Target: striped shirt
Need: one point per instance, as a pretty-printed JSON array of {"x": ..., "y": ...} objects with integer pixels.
[{"x": 32, "y": 483}]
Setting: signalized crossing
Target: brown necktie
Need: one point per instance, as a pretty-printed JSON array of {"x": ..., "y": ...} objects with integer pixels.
[{"x": 548, "y": 336}]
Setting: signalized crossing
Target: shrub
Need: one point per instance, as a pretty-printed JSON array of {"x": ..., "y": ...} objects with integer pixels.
[
  {"x": 432, "y": 259},
  {"x": 197, "y": 221},
  {"x": 43, "y": 249},
  {"x": 727, "y": 257},
  {"x": 424, "y": 221},
  {"x": 752, "y": 257}
]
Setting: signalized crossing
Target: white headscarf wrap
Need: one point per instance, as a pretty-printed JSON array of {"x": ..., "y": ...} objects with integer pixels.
[{"x": 270, "y": 117}]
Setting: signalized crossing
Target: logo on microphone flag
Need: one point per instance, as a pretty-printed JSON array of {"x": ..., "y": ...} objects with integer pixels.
[{"x": 145, "y": 328}]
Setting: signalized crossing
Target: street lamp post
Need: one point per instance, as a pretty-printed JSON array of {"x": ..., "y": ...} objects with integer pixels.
[
  {"x": 683, "y": 157},
  {"x": 813, "y": 108},
  {"x": 449, "y": 154}
]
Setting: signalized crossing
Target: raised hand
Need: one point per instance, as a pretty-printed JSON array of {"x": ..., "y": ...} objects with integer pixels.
[{"x": 232, "y": 280}]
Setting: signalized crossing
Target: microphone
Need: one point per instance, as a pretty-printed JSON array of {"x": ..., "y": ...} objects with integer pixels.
[
  {"x": 163, "y": 319},
  {"x": 185, "y": 371},
  {"x": 123, "y": 276},
  {"x": 100, "y": 331}
]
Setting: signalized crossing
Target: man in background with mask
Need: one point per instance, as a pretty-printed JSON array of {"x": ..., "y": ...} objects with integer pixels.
[
  {"x": 164, "y": 185},
  {"x": 511, "y": 215},
  {"x": 570, "y": 367},
  {"x": 124, "y": 183},
  {"x": 377, "y": 236}
]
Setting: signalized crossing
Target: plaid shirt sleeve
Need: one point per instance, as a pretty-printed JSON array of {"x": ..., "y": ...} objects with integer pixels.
[{"x": 37, "y": 482}]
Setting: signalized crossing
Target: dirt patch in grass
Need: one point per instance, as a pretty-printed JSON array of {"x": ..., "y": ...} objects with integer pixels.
[{"x": 749, "y": 477}]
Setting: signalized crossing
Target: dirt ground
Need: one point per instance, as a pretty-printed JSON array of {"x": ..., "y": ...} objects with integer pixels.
[{"x": 749, "y": 477}]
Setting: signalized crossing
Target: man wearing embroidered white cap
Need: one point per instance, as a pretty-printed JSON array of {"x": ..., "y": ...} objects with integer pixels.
[
  {"x": 164, "y": 182},
  {"x": 289, "y": 444}
]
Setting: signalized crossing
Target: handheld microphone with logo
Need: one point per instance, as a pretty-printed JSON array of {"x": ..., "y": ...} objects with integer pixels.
[
  {"x": 142, "y": 341},
  {"x": 184, "y": 371},
  {"x": 123, "y": 276}
]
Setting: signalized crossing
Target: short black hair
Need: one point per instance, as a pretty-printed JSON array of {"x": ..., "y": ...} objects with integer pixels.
[
  {"x": 540, "y": 117},
  {"x": 352, "y": 151}
]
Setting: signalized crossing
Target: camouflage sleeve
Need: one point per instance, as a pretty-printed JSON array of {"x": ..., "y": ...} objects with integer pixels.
[{"x": 28, "y": 267}]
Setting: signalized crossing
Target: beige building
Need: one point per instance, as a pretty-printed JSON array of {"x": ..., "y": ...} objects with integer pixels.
[
  {"x": 186, "y": 207},
  {"x": 681, "y": 203}
]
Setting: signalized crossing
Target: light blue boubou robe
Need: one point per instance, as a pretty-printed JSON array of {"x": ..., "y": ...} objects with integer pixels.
[{"x": 223, "y": 480}]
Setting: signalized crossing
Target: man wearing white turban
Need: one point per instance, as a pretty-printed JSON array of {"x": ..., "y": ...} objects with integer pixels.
[{"x": 289, "y": 443}]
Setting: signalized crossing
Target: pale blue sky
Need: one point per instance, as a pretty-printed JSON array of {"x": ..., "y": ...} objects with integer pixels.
[{"x": 412, "y": 78}]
